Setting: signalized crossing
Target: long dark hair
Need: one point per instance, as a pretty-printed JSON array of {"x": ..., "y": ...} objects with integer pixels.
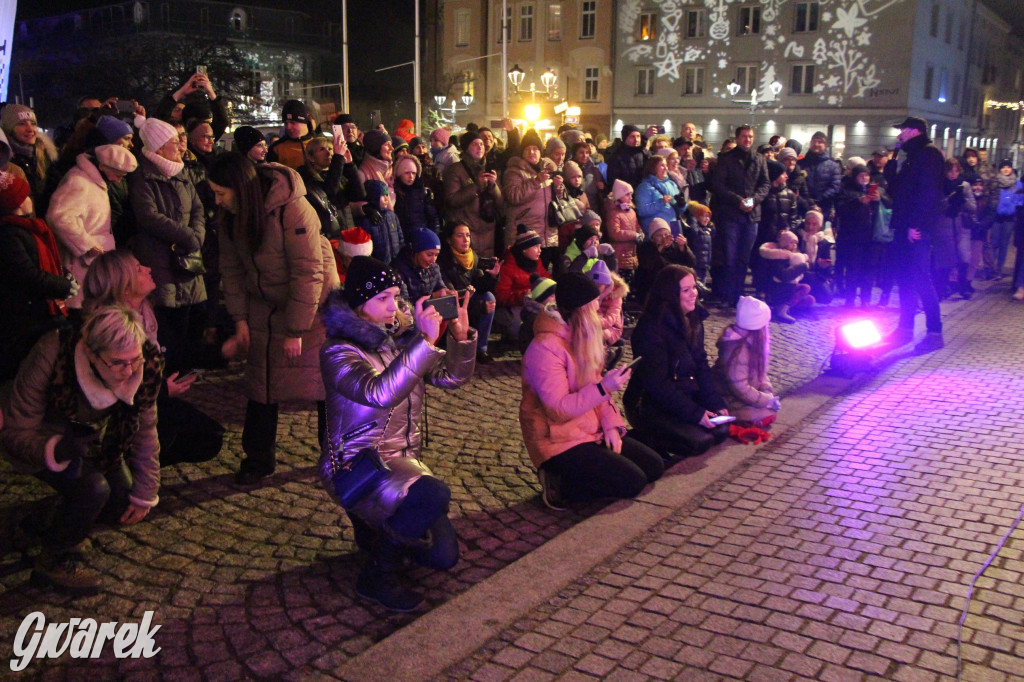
[
  {"x": 237, "y": 173},
  {"x": 663, "y": 302}
]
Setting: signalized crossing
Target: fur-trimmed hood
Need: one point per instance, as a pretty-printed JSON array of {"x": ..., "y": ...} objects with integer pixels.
[{"x": 343, "y": 323}]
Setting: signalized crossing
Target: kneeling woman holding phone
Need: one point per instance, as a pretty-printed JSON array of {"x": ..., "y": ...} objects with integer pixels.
[
  {"x": 671, "y": 399},
  {"x": 575, "y": 436},
  {"x": 375, "y": 363}
]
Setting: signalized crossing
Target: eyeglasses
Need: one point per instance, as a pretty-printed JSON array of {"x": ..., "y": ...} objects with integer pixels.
[{"x": 132, "y": 364}]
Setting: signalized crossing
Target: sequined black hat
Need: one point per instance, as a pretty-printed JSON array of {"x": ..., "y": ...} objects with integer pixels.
[{"x": 365, "y": 278}]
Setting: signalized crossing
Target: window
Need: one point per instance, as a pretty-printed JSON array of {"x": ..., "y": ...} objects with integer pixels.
[
  {"x": 525, "y": 23},
  {"x": 588, "y": 19},
  {"x": 693, "y": 80},
  {"x": 591, "y": 82},
  {"x": 929, "y": 76},
  {"x": 237, "y": 22},
  {"x": 803, "y": 79},
  {"x": 949, "y": 28},
  {"x": 507, "y": 33},
  {"x": 645, "y": 81},
  {"x": 696, "y": 23},
  {"x": 933, "y": 29},
  {"x": 647, "y": 26},
  {"x": 746, "y": 76},
  {"x": 806, "y": 16},
  {"x": 555, "y": 21},
  {"x": 750, "y": 21},
  {"x": 462, "y": 28}
]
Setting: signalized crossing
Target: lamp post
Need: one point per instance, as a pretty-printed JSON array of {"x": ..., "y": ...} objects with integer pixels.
[
  {"x": 467, "y": 99},
  {"x": 548, "y": 80},
  {"x": 753, "y": 103}
]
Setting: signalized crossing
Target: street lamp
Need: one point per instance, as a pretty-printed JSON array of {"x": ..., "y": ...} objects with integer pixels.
[
  {"x": 516, "y": 76},
  {"x": 753, "y": 103},
  {"x": 548, "y": 80},
  {"x": 467, "y": 99}
]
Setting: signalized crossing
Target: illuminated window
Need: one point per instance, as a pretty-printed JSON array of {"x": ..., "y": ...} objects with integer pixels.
[
  {"x": 750, "y": 21},
  {"x": 647, "y": 26}
]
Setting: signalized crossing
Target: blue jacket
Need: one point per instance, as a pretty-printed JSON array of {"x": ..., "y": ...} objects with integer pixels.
[
  {"x": 386, "y": 233},
  {"x": 650, "y": 203},
  {"x": 417, "y": 281},
  {"x": 823, "y": 180},
  {"x": 1010, "y": 199}
]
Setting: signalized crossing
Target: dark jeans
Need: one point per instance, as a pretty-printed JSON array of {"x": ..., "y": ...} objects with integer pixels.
[
  {"x": 480, "y": 319},
  {"x": 259, "y": 434},
  {"x": 915, "y": 281},
  {"x": 738, "y": 240},
  {"x": 673, "y": 437},
  {"x": 590, "y": 471},
  {"x": 180, "y": 332},
  {"x": 84, "y": 494}
]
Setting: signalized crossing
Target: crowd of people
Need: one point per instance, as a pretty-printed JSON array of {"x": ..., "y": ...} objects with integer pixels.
[{"x": 348, "y": 270}]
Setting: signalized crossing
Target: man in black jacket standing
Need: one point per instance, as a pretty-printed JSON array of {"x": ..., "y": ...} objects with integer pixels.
[
  {"x": 739, "y": 184},
  {"x": 916, "y": 191}
]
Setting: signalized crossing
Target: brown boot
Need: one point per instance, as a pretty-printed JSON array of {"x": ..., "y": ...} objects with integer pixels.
[{"x": 65, "y": 571}]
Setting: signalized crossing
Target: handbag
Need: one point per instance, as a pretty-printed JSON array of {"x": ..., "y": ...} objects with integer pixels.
[
  {"x": 363, "y": 473},
  {"x": 882, "y": 231},
  {"x": 563, "y": 210},
  {"x": 191, "y": 263}
]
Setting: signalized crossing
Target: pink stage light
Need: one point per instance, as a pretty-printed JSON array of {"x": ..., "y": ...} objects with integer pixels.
[{"x": 861, "y": 334}]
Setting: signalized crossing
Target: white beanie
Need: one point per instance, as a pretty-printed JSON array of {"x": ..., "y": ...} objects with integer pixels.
[
  {"x": 752, "y": 313},
  {"x": 655, "y": 225},
  {"x": 156, "y": 133},
  {"x": 620, "y": 189},
  {"x": 117, "y": 157}
]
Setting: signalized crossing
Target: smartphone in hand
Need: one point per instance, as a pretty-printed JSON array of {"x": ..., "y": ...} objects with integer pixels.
[{"x": 446, "y": 306}]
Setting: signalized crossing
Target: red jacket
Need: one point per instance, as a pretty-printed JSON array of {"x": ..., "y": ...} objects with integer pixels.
[{"x": 514, "y": 282}]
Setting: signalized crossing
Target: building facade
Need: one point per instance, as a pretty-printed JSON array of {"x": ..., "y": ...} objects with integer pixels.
[
  {"x": 847, "y": 67},
  {"x": 572, "y": 38}
]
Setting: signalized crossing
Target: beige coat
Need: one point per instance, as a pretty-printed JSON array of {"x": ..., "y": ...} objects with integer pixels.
[
  {"x": 528, "y": 199},
  {"x": 278, "y": 291},
  {"x": 462, "y": 207}
]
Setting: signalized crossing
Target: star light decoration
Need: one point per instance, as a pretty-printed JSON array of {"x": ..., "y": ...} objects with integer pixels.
[
  {"x": 669, "y": 66},
  {"x": 848, "y": 20}
]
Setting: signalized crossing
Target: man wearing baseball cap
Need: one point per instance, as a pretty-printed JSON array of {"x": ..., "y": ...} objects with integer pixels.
[{"x": 915, "y": 186}]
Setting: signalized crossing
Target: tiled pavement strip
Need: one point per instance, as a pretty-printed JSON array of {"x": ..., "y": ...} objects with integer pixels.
[
  {"x": 258, "y": 584},
  {"x": 841, "y": 551}
]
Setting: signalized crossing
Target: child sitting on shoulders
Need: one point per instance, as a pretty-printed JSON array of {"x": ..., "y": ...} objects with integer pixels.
[{"x": 742, "y": 366}]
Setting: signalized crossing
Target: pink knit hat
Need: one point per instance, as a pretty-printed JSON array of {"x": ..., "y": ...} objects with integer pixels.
[{"x": 442, "y": 135}]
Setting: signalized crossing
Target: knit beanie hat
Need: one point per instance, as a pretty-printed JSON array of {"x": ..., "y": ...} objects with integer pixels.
[
  {"x": 775, "y": 169},
  {"x": 530, "y": 139},
  {"x": 442, "y": 135},
  {"x": 628, "y": 130},
  {"x": 1005, "y": 163},
  {"x": 821, "y": 217},
  {"x": 373, "y": 140},
  {"x": 571, "y": 169},
  {"x": 752, "y": 313},
  {"x": 600, "y": 273},
  {"x": 375, "y": 189},
  {"x": 294, "y": 110},
  {"x": 855, "y": 161},
  {"x": 468, "y": 138},
  {"x": 13, "y": 114},
  {"x": 424, "y": 240},
  {"x": 112, "y": 128},
  {"x": 541, "y": 288},
  {"x": 787, "y": 153},
  {"x": 795, "y": 146},
  {"x": 247, "y": 137},
  {"x": 819, "y": 135},
  {"x": 574, "y": 291},
  {"x": 342, "y": 119},
  {"x": 117, "y": 157},
  {"x": 857, "y": 170},
  {"x": 584, "y": 232},
  {"x": 656, "y": 225},
  {"x": 13, "y": 191},
  {"x": 697, "y": 209},
  {"x": 573, "y": 137},
  {"x": 416, "y": 142},
  {"x": 365, "y": 278},
  {"x": 156, "y": 133},
  {"x": 355, "y": 241},
  {"x": 666, "y": 152},
  {"x": 552, "y": 144},
  {"x": 398, "y": 143},
  {"x": 402, "y": 163},
  {"x": 525, "y": 238},
  {"x": 591, "y": 218},
  {"x": 620, "y": 188}
]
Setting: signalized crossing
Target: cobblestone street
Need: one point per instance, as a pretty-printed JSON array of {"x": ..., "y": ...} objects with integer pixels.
[{"x": 258, "y": 584}]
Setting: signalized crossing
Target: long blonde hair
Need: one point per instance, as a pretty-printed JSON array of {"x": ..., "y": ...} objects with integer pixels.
[{"x": 586, "y": 339}]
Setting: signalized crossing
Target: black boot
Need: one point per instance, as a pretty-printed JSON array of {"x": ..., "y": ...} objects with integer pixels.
[{"x": 378, "y": 581}]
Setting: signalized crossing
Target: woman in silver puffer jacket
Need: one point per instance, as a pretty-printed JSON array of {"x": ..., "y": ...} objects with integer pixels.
[{"x": 375, "y": 363}]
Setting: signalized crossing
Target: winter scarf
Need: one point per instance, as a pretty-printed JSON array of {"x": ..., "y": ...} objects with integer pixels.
[{"x": 49, "y": 254}]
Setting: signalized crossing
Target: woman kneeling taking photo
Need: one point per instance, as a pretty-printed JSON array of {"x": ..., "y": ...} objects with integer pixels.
[
  {"x": 575, "y": 436},
  {"x": 375, "y": 364}
]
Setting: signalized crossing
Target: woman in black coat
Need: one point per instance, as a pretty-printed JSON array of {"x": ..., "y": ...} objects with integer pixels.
[{"x": 671, "y": 397}]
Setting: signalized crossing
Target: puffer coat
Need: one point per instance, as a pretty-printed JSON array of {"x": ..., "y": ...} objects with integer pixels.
[
  {"x": 650, "y": 202},
  {"x": 370, "y": 374},
  {"x": 168, "y": 214},
  {"x": 622, "y": 228},
  {"x": 528, "y": 199},
  {"x": 278, "y": 289}
]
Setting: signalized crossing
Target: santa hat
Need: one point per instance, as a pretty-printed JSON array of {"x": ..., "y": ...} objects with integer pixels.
[{"x": 354, "y": 242}]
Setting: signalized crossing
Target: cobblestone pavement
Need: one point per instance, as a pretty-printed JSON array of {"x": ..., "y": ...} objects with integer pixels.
[
  {"x": 841, "y": 551},
  {"x": 258, "y": 584}
]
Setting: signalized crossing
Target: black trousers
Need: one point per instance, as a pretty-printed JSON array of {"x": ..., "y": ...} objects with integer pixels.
[
  {"x": 259, "y": 434},
  {"x": 180, "y": 332},
  {"x": 915, "y": 280},
  {"x": 677, "y": 438},
  {"x": 84, "y": 493},
  {"x": 590, "y": 471}
]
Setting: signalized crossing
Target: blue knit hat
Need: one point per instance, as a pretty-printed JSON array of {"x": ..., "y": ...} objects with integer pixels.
[
  {"x": 375, "y": 189},
  {"x": 112, "y": 129},
  {"x": 424, "y": 240}
]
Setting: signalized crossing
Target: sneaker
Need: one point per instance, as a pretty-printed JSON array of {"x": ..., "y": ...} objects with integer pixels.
[
  {"x": 549, "y": 483},
  {"x": 382, "y": 587},
  {"x": 65, "y": 572},
  {"x": 932, "y": 342}
]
